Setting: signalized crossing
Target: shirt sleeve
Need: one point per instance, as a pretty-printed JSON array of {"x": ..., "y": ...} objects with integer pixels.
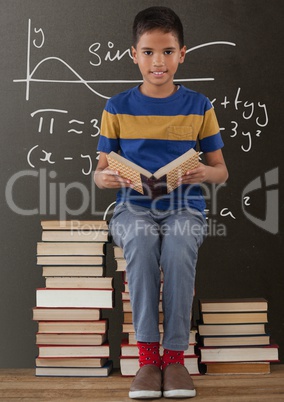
[
  {"x": 209, "y": 136},
  {"x": 109, "y": 135}
]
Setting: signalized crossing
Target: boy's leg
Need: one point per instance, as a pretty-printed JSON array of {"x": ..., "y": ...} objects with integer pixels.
[
  {"x": 134, "y": 230},
  {"x": 183, "y": 234}
]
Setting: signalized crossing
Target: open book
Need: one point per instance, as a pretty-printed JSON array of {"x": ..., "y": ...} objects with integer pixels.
[{"x": 163, "y": 181}]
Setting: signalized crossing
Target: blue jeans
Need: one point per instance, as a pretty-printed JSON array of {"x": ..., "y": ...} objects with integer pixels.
[{"x": 160, "y": 239}]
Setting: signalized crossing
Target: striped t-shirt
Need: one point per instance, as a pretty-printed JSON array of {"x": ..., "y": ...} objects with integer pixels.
[{"x": 154, "y": 131}]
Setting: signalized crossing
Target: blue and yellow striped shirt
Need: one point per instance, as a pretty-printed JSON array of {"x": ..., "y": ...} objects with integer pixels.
[{"x": 154, "y": 131}]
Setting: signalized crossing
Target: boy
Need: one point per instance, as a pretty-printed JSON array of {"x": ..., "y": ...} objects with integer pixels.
[{"x": 151, "y": 125}]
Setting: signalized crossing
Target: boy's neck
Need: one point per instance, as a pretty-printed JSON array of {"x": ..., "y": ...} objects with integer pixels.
[{"x": 158, "y": 91}]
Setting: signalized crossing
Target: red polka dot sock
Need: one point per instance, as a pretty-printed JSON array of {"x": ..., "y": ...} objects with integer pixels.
[
  {"x": 172, "y": 357},
  {"x": 149, "y": 353}
]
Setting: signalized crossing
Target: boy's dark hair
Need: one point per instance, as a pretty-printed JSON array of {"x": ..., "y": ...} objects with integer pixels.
[{"x": 162, "y": 18}]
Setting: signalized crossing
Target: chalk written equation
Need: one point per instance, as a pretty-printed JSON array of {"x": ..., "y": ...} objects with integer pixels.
[
  {"x": 46, "y": 123},
  {"x": 248, "y": 111},
  {"x": 78, "y": 123}
]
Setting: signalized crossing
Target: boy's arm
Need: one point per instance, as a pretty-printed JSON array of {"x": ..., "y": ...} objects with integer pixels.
[
  {"x": 107, "y": 178},
  {"x": 215, "y": 171}
]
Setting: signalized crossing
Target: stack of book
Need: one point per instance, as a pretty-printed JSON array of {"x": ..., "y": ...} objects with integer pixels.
[
  {"x": 119, "y": 259},
  {"x": 129, "y": 363},
  {"x": 72, "y": 336},
  {"x": 233, "y": 337}
]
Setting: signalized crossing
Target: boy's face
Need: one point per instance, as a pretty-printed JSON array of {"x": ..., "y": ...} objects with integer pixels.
[{"x": 158, "y": 55}]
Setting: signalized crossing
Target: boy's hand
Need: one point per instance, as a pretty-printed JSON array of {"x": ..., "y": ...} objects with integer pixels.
[
  {"x": 194, "y": 176},
  {"x": 108, "y": 178},
  {"x": 215, "y": 170}
]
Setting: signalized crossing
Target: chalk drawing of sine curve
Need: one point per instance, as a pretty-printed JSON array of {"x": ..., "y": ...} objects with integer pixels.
[
  {"x": 79, "y": 81},
  {"x": 86, "y": 83}
]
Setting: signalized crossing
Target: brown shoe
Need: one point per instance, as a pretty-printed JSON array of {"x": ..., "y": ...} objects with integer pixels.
[
  {"x": 147, "y": 383},
  {"x": 177, "y": 382}
]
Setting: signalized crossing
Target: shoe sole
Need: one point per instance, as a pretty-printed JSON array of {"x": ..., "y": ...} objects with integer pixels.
[
  {"x": 144, "y": 394},
  {"x": 180, "y": 393}
]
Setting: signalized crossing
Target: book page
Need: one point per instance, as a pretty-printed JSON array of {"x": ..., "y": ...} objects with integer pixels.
[
  {"x": 128, "y": 170},
  {"x": 176, "y": 173},
  {"x": 173, "y": 170},
  {"x": 179, "y": 163}
]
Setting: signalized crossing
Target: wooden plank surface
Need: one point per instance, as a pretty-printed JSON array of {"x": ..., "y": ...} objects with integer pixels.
[{"x": 22, "y": 385}]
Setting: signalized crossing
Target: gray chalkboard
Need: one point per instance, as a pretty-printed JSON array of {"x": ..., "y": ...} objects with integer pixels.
[{"x": 59, "y": 63}]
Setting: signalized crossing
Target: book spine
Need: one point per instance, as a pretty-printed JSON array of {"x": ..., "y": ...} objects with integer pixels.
[{"x": 62, "y": 337}]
